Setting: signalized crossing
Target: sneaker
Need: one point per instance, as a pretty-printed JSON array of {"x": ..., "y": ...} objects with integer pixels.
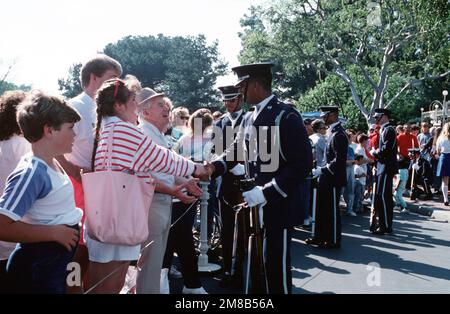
[
  {"x": 164, "y": 282},
  {"x": 404, "y": 210},
  {"x": 194, "y": 290},
  {"x": 351, "y": 213},
  {"x": 175, "y": 273}
]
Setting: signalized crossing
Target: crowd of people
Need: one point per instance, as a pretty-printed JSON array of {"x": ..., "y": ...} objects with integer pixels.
[{"x": 47, "y": 143}]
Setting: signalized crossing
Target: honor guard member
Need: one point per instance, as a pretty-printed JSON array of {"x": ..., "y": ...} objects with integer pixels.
[
  {"x": 332, "y": 178},
  {"x": 387, "y": 168},
  {"x": 275, "y": 129},
  {"x": 229, "y": 194},
  {"x": 422, "y": 174}
]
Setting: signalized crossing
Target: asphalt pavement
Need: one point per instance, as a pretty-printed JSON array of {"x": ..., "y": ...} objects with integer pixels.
[{"x": 415, "y": 259}]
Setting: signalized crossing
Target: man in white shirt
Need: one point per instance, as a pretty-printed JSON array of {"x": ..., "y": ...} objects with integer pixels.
[
  {"x": 93, "y": 73},
  {"x": 154, "y": 111}
]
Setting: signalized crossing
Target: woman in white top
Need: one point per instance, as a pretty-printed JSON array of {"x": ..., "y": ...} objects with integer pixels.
[
  {"x": 443, "y": 169},
  {"x": 197, "y": 146},
  {"x": 12, "y": 147},
  {"x": 131, "y": 151}
]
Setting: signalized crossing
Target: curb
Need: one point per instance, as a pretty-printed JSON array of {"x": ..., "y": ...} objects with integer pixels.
[{"x": 433, "y": 213}]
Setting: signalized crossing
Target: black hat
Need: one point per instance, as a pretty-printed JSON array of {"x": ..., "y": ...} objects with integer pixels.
[
  {"x": 244, "y": 72},
  {"x": 328, "y": 109},
  {"x": 229, "y": 92},
  {"x": 382, "y": 111},
  {"x": 307, "y": 121}
]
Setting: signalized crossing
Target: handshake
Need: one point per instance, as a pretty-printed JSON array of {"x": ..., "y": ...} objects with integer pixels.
[{"x": 203, "y": 171}]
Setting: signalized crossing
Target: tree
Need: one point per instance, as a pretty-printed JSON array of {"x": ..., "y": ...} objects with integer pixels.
[
  {"x": 376, "y": 41},
  {"x": 6, "y": 86},
  {"x": 333, "y": 90},
  {"x": 185, "y": 68},
  {"x": 71, "y": 86}
]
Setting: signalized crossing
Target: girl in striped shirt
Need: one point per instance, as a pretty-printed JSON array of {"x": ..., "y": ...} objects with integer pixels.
[{"x": 134, "y": 152}]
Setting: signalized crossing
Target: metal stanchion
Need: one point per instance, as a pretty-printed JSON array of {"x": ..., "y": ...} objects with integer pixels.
[{"x": 203, "y": 264}]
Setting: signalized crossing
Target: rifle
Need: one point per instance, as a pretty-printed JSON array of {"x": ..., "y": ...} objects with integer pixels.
[{"x": 255, "y": 272}]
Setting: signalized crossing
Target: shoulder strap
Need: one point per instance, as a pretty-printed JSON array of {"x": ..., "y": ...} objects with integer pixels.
[
  {"x": 107, "y": 159},
  {"x": 277, "y": 133}
]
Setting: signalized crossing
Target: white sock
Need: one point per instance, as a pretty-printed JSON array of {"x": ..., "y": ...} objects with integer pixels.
[{"x": 445, "y": 192}]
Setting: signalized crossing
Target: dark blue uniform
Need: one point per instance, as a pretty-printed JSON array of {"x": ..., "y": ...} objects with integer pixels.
[
  {"x": 331, "y": 181},
  {"x": 277, "y": 126},
  {"x": 230, "y": 195},
  {"x": 387, "y": 168},
  {"x": 423, "y": 177}
]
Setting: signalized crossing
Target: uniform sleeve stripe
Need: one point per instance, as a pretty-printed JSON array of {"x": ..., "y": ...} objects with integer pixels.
[{"x": 277, "y": 187}]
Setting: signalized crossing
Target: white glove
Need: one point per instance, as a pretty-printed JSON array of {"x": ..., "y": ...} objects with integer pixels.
[
  {"x": 238, "y": 170},
  {"x": 372, "y": 151},
  {"x": 415, "y": 166},
  {"x": 254, "y": 197},
  {"x": 316, "y": 172}
]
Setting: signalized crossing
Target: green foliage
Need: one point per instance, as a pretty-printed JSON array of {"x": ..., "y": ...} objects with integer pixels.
[
  {"x": 185, "y": 68},
  {"x": 71, "y": 86},
  {"x": 7, "y": 86},
  {"x": 333, "y": 91},
  {"x": 375, "y": 47}
]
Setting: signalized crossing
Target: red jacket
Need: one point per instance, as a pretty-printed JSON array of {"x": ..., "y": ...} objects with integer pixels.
[
  {"x": 374, "y": 140},
  {"x": 405, "y": 141}
]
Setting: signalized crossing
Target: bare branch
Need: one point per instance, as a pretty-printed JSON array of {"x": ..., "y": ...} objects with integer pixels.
[
  {"x": 340, "y": 72},
  {"x": 6, "y": 75},
  {"x": 360, "y": 66},
  {"x": 416, "y": 81}
]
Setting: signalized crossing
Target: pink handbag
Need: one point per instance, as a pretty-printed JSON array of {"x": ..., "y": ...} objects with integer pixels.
[{"x": 117, "y": 204}]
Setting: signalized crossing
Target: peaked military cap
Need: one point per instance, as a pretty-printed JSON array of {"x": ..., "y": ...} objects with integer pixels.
[
  {"x": 246, "y": 71},
  {"x": 229, "y": 92},
  {"x": 328, "y": 109},
  {"x": 382, "y": 111}
]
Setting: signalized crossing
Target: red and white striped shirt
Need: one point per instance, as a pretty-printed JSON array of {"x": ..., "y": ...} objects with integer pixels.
[{"x": 132, "y": 150}]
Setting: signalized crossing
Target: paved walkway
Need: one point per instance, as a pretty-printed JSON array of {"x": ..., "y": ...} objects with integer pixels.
[{"x": 416, "y": 259}]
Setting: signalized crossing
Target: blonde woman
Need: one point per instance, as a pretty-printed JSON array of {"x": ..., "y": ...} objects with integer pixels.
[
  {"x": 195, "y": 145},
  {"x": 443, "y": 169}
]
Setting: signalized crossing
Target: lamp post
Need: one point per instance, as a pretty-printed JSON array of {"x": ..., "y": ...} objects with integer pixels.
[{"x": 203, "y": 263}]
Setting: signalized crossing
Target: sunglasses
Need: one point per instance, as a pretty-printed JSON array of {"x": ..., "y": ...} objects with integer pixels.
[{"x": 184, "y": 118}]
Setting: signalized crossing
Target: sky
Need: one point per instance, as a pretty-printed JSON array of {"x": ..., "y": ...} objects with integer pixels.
[{"x": 43, "y": 38}]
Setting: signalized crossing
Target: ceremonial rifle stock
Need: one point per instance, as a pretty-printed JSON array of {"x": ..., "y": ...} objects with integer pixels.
[{"x": 255, "y": 271}]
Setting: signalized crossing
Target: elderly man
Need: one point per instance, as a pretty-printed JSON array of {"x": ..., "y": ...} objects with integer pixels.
[{"x": 154, "y": 111}]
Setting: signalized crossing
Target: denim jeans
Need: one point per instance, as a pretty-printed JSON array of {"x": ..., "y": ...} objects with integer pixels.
[
  {"x": 39, "y": 268},
  {"x": 359, "y": 196},
  {"x": 348, "y": 191},
  {"x": 403, "y": 173}
]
